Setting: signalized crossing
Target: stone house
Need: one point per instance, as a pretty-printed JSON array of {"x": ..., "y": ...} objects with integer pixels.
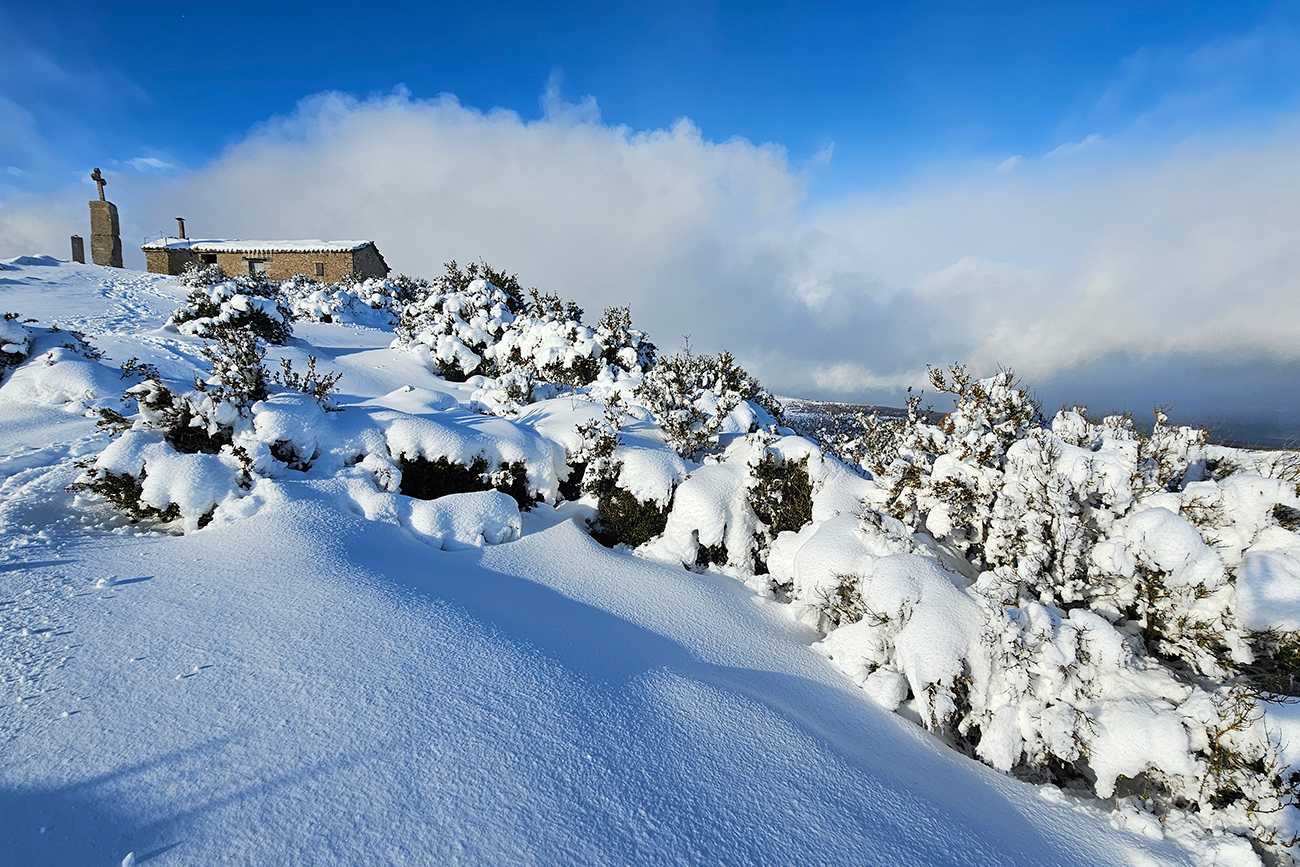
[{"x": 329, "y": 261}]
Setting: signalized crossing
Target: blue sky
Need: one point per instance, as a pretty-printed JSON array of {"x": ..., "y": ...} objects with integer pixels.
[
  {"x": 894, "y": 87},
  {"x": 1105, "y": 197}
]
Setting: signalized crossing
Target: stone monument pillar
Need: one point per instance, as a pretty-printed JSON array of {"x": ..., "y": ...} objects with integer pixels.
[
  {"x": 105, "y": 235},
  {"x": 78, "y": 249}
]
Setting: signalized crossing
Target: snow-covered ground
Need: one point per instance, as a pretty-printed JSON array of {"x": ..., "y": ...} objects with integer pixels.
[{"x": 311, "y": 679}]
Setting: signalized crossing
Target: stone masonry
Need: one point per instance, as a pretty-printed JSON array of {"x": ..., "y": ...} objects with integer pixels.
[
  {"x": 330, "y": 262},
  {"x": 105, "y": 233}
]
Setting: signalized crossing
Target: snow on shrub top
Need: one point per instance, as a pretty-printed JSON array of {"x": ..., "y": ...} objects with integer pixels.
[
  {"x": 454, "y": 328},
  {"x": 241, "y": 303},
  {"x": 55, "y": 367},
  {"x": 480, "y": 329},
  {"x": 374, "y": 302},
  {"x": 193, "y": 483},
  {"x": 15, "y": 340},
  {"x": 714, "y": 507},
  {"x": 461, "y": 437},
  {"x": 59, "y": 376},
  {"x": 1268, "y": 583},
  {"x": 481, "y": 322}
]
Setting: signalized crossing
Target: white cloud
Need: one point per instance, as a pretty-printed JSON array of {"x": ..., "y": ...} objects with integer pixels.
[
  {"x": 1071, "y": 148},
  {"x": 1051, "y": 268},
  {"x": 150, "y": 164},
  {"x": 1009, "y": 163},
  {"x": 1178, "y": 86},
  {"x": 848, "y": 378},
  {"x": 822, "y": 158}
]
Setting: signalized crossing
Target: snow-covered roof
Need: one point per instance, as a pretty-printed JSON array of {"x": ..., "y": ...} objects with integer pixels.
[{"x": 235, "y": 245}]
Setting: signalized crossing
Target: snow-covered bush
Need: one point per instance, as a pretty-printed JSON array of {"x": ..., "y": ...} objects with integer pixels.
[
  {"x": 1073, "y": 601},
  {"x": 458, "y": 280},
  {"x": 458, "y": 451},
  {"x": 695, "y": 398},
  {"x": 467, "y": 325},
  {"x": 622, "y": 345},
  {"x": 239, "y": 379},
  {"x": 376, "y": 302},
  {"x": 427, "y": 479},
  {"x": 552, "y": 346},
  {"x": 455, "y": 327},
  {"x": 1044, "y": 508},
  {"x": 196, "y": 275},
  {"x": 52, "y": 366},
  {"x": 853, "y": 435},
  {"x": 15, "y": 341},
  {"x": 178, "y": 457},
  {"x": 318, "y": 385},
  {"x": 781, "y": 497},
  {"x": 622, "y": 517},
  {"x": 236, "y": 304}
]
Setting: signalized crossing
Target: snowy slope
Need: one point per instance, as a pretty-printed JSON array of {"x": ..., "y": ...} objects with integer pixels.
[{"x": 297, "y": 683}]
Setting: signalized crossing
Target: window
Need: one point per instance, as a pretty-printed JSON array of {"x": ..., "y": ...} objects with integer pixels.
[
  {"x": 320, "y": 269},
  {"x": 257, "y": 267},
  {"x": 209, "y": 258}
]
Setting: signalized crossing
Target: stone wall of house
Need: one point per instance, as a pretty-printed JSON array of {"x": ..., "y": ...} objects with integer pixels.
[
  {"x": 369, "y": 263},
  {"x": 282, "y": 266},
  {"x": 168, "y": 261},
  {"x": 335, "y": 265}
]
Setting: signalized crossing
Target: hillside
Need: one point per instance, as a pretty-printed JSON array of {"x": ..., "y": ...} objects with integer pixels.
[{"x": 289, "y": 660}]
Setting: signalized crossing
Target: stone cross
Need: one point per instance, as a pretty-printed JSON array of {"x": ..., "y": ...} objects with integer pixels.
[{"x": 105, "y": 233}]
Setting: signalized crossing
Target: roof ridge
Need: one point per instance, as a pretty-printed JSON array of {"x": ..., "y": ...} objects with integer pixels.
[{"x": 240, "y": 245}]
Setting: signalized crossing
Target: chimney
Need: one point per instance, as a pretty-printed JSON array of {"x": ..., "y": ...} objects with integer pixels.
[{"x": 180, "y": 227}]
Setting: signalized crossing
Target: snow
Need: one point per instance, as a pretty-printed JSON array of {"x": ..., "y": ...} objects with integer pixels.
[
  {"x": 466, "y": 520},
  {"x": 1167, "y": 542},
  {"x": 710, "y": 509},
  {"x": 14, "y": 337},
  {"x": 367, "y": 303},
  {"x": 649, "y": 474},
  {"x": 461, "y": 436},
  {"x": 506, "y": 706},
  {"x": 329, "y": 672},
  {"x": 1268, "y": 584},
  {"x": 1134, "y": 736},
  {"x": 222, "y": 245},
  {"x": 58, "y": 377}
]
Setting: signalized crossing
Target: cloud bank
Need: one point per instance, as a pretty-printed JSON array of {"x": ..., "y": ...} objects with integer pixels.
[{"x": 1105, "y": 266}]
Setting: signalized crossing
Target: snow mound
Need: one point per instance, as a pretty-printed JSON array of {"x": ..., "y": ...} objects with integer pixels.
[
  {"x": 39, "y": 261},
  {"x": 59, "y": 376},
  {"x": 468, "y": 520},
  {"x": 1268, "y": 583}
]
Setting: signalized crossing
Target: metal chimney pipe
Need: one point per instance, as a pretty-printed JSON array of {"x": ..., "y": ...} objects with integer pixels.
[{"x": 180, "y": 223}]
